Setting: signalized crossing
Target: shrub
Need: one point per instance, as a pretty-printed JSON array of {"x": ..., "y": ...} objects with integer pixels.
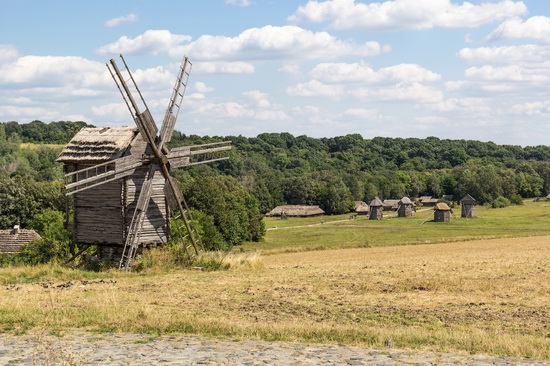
[{"x": 501, "y": 202}]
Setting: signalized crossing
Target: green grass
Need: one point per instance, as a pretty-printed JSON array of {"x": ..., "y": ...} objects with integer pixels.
[
  {"x": 33, "y": 146},
  {"x": 302, "y": 234}
]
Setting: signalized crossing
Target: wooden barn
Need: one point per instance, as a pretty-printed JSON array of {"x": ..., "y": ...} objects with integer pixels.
[
  {"x": 101, "y": 215},
  {"x": 361, "y": 208},
  {"x": 468, "y": 206},
  {"x": 295, "y": 211},
  {"x": 442, "y": 212},
  {"x": 13, "y": 240},
  {"x": 376, "y": 208},
  {"x": 405, "y": 207}
]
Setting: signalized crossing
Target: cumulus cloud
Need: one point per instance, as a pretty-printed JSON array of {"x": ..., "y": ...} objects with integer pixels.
[
  {"x": 8, "y": 53},
  {"x": 276, "y": 43},
  {"x": 405, "y": 14},
  {"x": 531, "y": 108},
  {"x": 213, "y": 67},
  {"x": 359, "y": 72},
  {"x": 537, "y": 28},
  {"x": 129, "y": 18},
  {"x": 522, "y": 54},
  {"x": 152, "y": 42}
]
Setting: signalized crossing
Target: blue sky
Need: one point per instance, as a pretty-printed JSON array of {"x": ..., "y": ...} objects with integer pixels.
[{"x": 401, "y": 68}]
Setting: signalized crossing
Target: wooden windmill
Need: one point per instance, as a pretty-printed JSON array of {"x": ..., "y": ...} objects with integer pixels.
[{"x": 120, "y": 178}]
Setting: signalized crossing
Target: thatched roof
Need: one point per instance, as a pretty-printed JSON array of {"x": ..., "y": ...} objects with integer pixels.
[
  {"x": 391, "y": 204},
  {"x": 376, "y": 202},
  {"x": 442, "y": 206},
  {"x": 468, "y": 199},
  {"x": 98, "y": 144},
  {"x": 12, "y": 240},
  {"x": 406, "y": 201},
  {"x": 296, "y": 210},
  {"x": 361, "y": 207}
]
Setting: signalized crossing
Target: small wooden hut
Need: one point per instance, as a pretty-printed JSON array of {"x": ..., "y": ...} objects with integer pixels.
[
  {"x": 442, "y": 212},
  {"x": 102, "y": 214},
  {"x": 375, "y": 209},
  {"x": 13, "y": 240},
  {"x": 468, "y": 204},
  {"x": 361, "y": 208},
  {"x": 405, "y": 207},
  {"x": 428, "y": 201},
  {"x": 295, "y": 211}
]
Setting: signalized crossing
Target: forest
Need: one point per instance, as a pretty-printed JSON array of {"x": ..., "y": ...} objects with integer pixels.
[{"x": 230, "y": 197}]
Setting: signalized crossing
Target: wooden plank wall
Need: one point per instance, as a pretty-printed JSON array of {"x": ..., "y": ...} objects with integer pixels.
[{"x": 99, "y": 215}]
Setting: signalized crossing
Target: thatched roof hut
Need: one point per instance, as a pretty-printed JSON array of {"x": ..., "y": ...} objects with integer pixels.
[
  {"x": 296, "y": 211},
  {"x": 442, "y": 212},
  {"x": 375, "y": 209},
  {"x": 405, "y": 207},
  {"x": 13, "y": 240},
  {"x": 361, "y": 208},
  {"x": 468, "y": 203},
  {"x": 428, "y": 201}
]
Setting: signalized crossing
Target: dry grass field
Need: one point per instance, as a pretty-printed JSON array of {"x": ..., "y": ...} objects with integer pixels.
[{"x": 478, "y": 296}]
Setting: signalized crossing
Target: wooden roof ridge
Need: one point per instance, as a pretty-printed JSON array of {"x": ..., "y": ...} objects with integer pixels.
[
  {"x": 376, "y": 202},
  {"x": 468, "y": 199},
  {"x": 442, "y": 206}
]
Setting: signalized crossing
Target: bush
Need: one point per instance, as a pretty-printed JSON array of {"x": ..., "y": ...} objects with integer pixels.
[
  {"x": 56, "y": 243},
  {"x": 501, "y": 202}
]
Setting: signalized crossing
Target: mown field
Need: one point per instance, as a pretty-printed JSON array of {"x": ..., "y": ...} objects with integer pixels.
[{"x": 477, "y": 285}]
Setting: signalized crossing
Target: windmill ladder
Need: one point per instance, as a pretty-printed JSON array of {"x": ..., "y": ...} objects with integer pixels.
[{"x": 191, "y": 242}]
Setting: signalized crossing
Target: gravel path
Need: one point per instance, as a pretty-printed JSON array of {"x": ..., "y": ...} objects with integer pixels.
[{"x": 132, "y": 349}]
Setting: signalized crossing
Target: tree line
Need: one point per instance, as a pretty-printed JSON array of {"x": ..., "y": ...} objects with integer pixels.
[{"x": 230, "y": 197}]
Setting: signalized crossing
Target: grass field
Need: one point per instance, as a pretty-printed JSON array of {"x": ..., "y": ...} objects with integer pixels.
[{"x": 468, "y": 293}]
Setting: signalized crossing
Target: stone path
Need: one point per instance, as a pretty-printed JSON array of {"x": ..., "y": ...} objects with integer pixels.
[{"x": 133, "y": 349}]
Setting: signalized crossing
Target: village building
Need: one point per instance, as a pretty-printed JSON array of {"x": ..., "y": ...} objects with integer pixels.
[
  {"x": 295, "y": 211},
  {"x": 468, "y": 204},
  {"x": 405, "y": 207},
  {"x": 375, "y": 209},
  {"x": 442, "y": 212},
  {"x": 428, "y": 201},
  {"x": 390, "y": 205},
  {"x": 361, "y": 208},
  {"x": 13, "y": 240}
]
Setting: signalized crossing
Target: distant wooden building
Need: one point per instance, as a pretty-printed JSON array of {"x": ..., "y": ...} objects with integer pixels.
[
  {"x": 102, "y": 214},
  {"x": 296, "y": 211},
  {"x": 375, "y": 209},
  {"x": 13, "y": 240},
  {"x": 428, "y": 201},
  {"x": 361, "y": 208},
  {"x": 468, "y": 206},
  {"x": 442, "y": 212},
  {"x": 405, "y": 207},
  {"x": 390, "y": 205}
]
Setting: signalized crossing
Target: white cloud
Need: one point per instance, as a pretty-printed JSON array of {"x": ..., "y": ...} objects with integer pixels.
[
  {"x": 8, "y": 53},
  {"x": 151, "y": 42},
  {"x": 201, "y": 87},
  {"x": 359, "y": 72},
  {"x": 405, "y": 14},
  {"x": 258, "y": 98},
  {"x": 54, "y": 71},
  {"x": 537, "y": 27},
  {"x": 276, "y": 43},
  {"x": 508, "y": 55},
  {"x": 531, "y": 108},
  {"x": 507, "y": 73},
  {"x": 129, "y": 18},
  {"x": 314, "y": 88},
  {"x": 208, "y": 67},
  {"x": 242, "y": 3}
]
